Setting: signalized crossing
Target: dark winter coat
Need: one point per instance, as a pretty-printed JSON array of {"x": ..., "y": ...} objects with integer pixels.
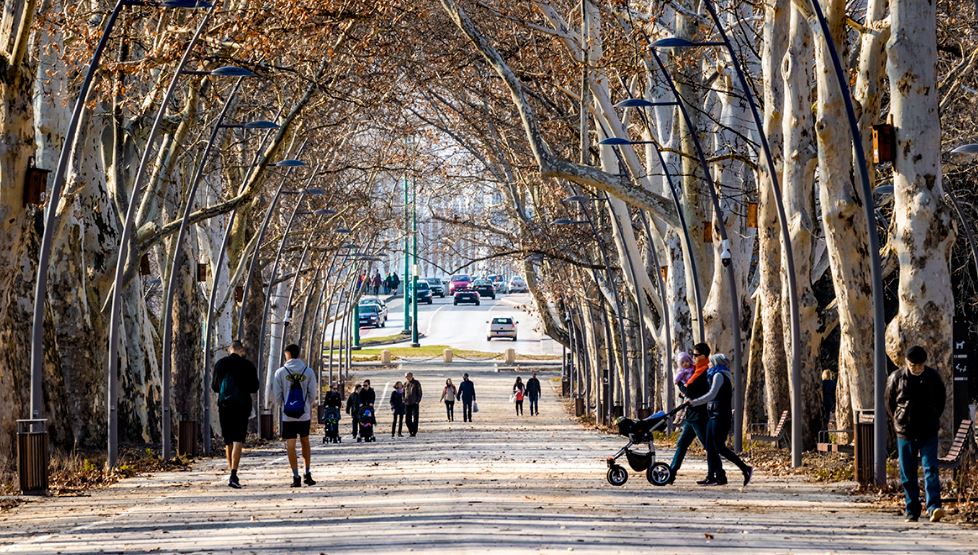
[
  {"x": 353, "y": 404},
  {"x": 466, "y": 391},
  {"x": 533, "y": 388},
  {"x": 412, "y": 392},
  {"x": 915, "y": 403},
  {"x": 242, "y": 372},
  {"x": 397, "y": 402},
  {"x": 368, "y": 396},
  {"x": 333, "y": 399}
]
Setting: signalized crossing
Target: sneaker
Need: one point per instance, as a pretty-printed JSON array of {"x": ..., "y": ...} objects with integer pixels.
[
  {"x": 296, "y": 482},
  {"x": 747, "y": 475},
  {"x": 911, "y": 518},
  {"x": 234, "y": 483},
  {"x": 936, "y": 515},
  {"x": 308, "y": 479}
]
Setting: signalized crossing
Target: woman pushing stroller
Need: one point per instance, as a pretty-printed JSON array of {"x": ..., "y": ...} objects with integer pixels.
[{"x": 718, "y": 400}]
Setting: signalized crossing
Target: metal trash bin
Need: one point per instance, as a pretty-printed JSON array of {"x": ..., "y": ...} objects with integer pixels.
[
  {"x": 267, "y": 432},
  {"x": 187, "y": 438},
  {"x": 617, "y": 411},
  {"x": 33, "y": 456},
  {"x": 863, "y": 446},
  {"x": 579, "y": 406}
]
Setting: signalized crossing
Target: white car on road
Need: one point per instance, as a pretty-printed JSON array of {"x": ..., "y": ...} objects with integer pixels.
[{"x": 501, "y": 327}]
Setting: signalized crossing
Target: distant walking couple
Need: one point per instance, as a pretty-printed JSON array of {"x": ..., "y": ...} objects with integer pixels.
[{"x": 465, "y": 392}]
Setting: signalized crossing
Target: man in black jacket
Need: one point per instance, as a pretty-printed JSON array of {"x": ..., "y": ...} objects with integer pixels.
[
  {"x": 915, "y": 397},
  {"x": 466, "y": 394},
  {"x": 412, "y": 402},
  {"x": 235, "y": 379},
  {"x": 533, "y": 393}
]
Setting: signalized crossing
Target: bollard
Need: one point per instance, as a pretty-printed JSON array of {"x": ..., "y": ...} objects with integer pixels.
[
  {"x": 510, "y": 356},
  {"x": 32, "y": 456},
  {"x": 579, "y": 406},
  {"x": 187, "y": 438},
  {"x": 385, "y": 357},
  {"x": 564, "y": 387},
  {"x": 447, "y": 356}
]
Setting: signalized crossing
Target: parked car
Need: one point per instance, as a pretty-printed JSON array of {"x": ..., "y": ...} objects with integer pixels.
[
  {"x": 461, "y": 281},
  {"x": 501, "y": 327},
  {"x": 484, "y": 288},
  {"x": 518, "y": 285},
  {"x": 370, "y": 315},
  {"x": 423, "y": 290},
  {"x": 463, "y": 296},
  {"x": 437, "y": 287}
]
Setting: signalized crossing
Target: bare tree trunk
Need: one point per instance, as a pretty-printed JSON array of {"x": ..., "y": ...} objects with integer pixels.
[
  {"x": 773, "y": 353},
  {"x": 922, "y": 231}
]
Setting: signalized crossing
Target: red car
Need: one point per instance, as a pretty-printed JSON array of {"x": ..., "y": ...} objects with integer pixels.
[{"x": 461, "y": 281}]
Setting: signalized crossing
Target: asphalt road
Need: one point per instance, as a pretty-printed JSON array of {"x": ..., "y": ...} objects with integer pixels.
[{"x": 464, "y": 326}]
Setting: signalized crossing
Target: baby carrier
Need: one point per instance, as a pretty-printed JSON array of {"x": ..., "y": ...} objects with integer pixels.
[{"x": 367, "y": 422}]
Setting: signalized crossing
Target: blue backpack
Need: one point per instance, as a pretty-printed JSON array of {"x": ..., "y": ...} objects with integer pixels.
[{"x": 295, "y": 403}]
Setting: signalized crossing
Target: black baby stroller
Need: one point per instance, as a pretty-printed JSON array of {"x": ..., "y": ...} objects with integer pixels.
[
  {"x": 330, "y": 420},
  {"x": 367, "y": 422},
  {"x": 640, "y": 431}
]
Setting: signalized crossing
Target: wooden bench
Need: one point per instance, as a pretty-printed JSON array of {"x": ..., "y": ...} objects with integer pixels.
[
  {"x": 961, "y": 443},
  {"x": 826, "y": 445},
  {"x": 759, "y": 432}
]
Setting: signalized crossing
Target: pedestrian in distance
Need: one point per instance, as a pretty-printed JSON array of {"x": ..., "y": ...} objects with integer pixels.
[
  {"x": 235, "y": 379},
  {"x": 519, "y": 390},
  {"x": 395, "y": 283},
  {"x": 387, "y": 284},
  {"x": 398, "y": 408},
  {"x": 367, "y": 394},
  {"x": 375, "y": 282},
  {"x": 915, "y": 396},
  {"x": 295, "y": 390},
  {"x": 412, "y": 402},
  {"x": 329, "y": 414},
  {"x": 353, "y": 408},
  {"x": 533, "y": 394},
  {"x": 719, "y": 407},
  {"x": 448, "y": 395},
  {"x": 466, "y": 394},
  {"x": 692, "y": 382},
  {"x": 828, "y": 398}
]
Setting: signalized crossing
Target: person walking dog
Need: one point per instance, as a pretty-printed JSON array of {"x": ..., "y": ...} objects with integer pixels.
[
  {"x": 915, "y": 397},
  {"x": 235, "y": 379}
]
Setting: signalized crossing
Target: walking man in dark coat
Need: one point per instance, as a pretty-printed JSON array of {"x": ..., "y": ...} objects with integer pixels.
[
  {"x": 466, "y": 394},
  {"x": 915, "y": 397},
  {"x": 412, "y": 402},
  {"x": 235, "y": 379},
  {"x": 533, "y": 393}
]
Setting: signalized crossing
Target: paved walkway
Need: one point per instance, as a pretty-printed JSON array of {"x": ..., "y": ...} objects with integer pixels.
[{"x": 501, "y": 485}]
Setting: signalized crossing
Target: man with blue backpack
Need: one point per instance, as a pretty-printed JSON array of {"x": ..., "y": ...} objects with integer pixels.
[
  {"x": 235, "y": 379},
  {"x": 295, "y": 390}
]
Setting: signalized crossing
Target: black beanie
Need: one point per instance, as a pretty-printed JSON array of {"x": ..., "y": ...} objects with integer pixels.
[
  {"x": 702, "y": 348},
  {"x": 917, "y": 355}
]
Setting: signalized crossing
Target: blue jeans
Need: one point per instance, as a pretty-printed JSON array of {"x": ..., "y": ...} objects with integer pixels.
[
  {"x": 691, "y": 429},
  {"x": 908, "y": 450}
]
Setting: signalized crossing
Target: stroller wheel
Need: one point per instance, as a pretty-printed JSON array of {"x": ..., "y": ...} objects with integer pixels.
[
  {"x": 617, "y": 475},
  {"x": 659, "y": 474}
]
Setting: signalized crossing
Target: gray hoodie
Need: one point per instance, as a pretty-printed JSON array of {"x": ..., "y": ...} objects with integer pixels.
[{"x": 282, "y": 383}]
